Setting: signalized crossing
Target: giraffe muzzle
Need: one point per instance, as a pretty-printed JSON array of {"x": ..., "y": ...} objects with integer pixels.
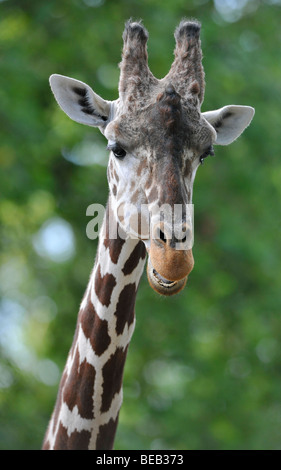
[
  {"x": 168, "y": 268},
  {"x": 162, "y": 285}
]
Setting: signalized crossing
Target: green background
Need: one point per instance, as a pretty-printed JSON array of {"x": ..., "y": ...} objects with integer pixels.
[{"x": 203, "y": 369}]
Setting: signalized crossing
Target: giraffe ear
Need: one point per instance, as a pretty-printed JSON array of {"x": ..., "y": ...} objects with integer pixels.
[
  {"x": 80, "y": 102},
  {"x": 229, "y": 122}
]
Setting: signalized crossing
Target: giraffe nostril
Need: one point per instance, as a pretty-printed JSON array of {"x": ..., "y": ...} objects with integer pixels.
[
  {"x": 183, "y": 235},
  {"x": 162, "y": 236}
]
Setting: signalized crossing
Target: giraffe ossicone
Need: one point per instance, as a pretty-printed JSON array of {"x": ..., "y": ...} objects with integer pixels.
[{"x": 157, "y": 137}]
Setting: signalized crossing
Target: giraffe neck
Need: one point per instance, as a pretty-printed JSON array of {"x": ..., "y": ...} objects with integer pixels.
[{"x": 90, "y": 393}]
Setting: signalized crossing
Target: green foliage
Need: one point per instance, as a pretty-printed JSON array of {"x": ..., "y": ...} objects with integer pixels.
[{"x": 203, "y": 368}]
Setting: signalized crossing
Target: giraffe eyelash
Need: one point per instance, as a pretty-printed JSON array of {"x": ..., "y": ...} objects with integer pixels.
[
  {"x": 209, "y": 151},
  {"x": 118, "y": 151}
]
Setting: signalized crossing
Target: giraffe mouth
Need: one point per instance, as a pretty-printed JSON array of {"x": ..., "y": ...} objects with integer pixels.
[
  {"x": 162, "y": 281},
  {"x": 162, "y": 285}
]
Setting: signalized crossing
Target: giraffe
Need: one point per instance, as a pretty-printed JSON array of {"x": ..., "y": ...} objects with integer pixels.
[{"x": 157, "y": 138}]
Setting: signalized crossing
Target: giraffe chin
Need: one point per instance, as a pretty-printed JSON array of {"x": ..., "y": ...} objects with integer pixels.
[{"x": 161, "y": 285}]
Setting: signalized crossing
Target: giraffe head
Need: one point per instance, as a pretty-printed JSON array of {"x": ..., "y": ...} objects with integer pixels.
[{"x": 157, "y": 137}]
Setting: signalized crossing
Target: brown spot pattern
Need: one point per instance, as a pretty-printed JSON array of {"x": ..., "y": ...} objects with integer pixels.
[
  {"x": 46, "y": 445},
  {"x": 95, "y": 329},
  {"x": 153, "y": 195},
  {"x": 115, "y": 247},
  {"x": 116, "y": 176},
  {"x": 79, "y": 387},
  {"x": 112, "y": 376},
  {"x": 76, "y": 441},
  {"x": 133, "y": 260},
  {"x": 105, "y": 438},
  {"x": 134, "y": 198},
  {"x": 141, "y": 167},
  {"x": 59, "y": 401},
  {"x": 125, "y": 307},
  {"x": 104, "y": 286}
]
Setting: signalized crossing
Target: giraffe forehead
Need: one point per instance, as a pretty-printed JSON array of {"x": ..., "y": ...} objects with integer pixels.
[{"x": 162, "y": 123}]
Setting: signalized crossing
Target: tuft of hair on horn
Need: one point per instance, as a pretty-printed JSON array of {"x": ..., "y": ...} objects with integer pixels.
[
  {"x": 135, "y": 30},
  {"x": 189, "y": 28}
]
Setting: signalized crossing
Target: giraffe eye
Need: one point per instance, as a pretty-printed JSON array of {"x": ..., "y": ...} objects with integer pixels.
[
  {"x": 209, "y": 151},
  {"x": 118, "y": 151}
]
